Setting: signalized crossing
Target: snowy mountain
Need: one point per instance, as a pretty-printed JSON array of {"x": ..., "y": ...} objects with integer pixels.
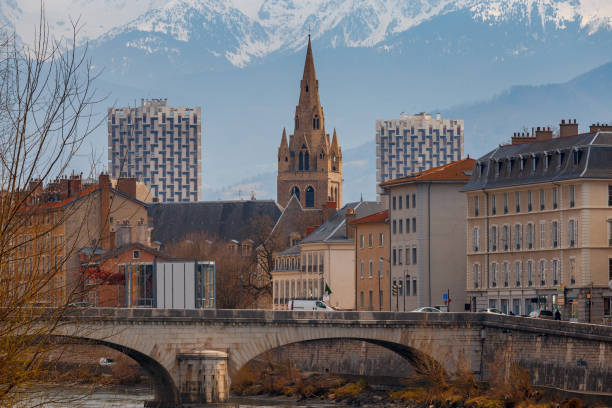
[{"x": 242, "y": 30}]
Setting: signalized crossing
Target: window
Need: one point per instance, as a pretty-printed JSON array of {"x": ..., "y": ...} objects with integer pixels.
[
  {"x": 572, "y": 270},
  {"x": 476, "y": 239},
  {"x": 518, "y": 272},
  {"x": 370, "y": 240},
  {"x": 401, "y": 223},
  {"x": 381, "y": 239},
  {"x": 530, "y": 234},
  {"x": 310, "y": 194},
  {"x": 609, "y": 195},
  {"x": 517, "y": 201},
  {"x": 370, "y": 305},
  {"x": 407, "y": 256},
  {"x": 505, "y": 203},
  {"x": 609, "y": 232},
  {"x": 394, "y": 202},
  {"x": 542, "y": 273},
  {"x": 529, "y": 273},
  {"x": 407, "y": 201},
  {"x": 572, "y": 196},
  {"x": 609, "y": 269},
  {"x": 407, "y": 225},
  {"x": 571, "y": 233},
  {"x": 554, "y": 234},
  {"x": 555, "y": 193},
  {"x": 518, "y": 236},
  {"x": 371, "y": 270},
  {"x": 607, "y": 303},
  {"x": 380, "y": 267},
  {"x": 414, "y": 201},
  {"x": 505, "y": 237},
  {"x": 475, "y": 206},
  {"x": 394, "y": 256},
  {"x": 505, "y": 274},
  {"x": 542, "y": 200},
  {"x": 493, "y": 277},
  {"x": 555, "y": 272},
  {"x": 413, "y": 224},
  {"x": 493, "y": 205},
  {"x": 493, "y": 238},
  {"x": 529, "y": 201},
  {"x": 136, "y": 254},
  {"x": 361, "y": 298},
  {"x": 361, "y": 241},
  {"x": 414, "y": 256},
  {"x": 542, "y": 235},
  {"x": 400, "y": 287},
  {"x": 476, "y": 275},
  {"x": 414, "y": 287},
  {"x": 361, "y": 272},
  {"x": 407, "y": 285},
  {"x": 394, "y": 227},
  {"x": 399, "y": 202},
  {"x": 399, "y": 256}
]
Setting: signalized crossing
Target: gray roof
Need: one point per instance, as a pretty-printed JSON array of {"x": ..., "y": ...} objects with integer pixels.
[
  {"x": 294, "y": 250},
  {"x": 334, "y": 229},
  {"x": 225, "y": 220},
  {"x": 587, "y": 155}
]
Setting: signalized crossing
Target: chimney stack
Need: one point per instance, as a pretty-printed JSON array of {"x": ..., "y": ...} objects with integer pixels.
[
  {"x": 127, "y": 185},
  {"x": 543, "y": 134},
  {"x": 604, "y": 127},
  {"x": 568, "y": 129}
]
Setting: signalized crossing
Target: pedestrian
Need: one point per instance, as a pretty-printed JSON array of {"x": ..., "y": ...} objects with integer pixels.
[{"x": 557, "y": 315}]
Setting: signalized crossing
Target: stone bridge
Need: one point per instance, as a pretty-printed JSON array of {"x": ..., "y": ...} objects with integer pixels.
[{"x": 193, "y": 354}]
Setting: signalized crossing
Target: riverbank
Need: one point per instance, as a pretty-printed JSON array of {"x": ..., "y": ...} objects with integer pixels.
[{"x": 430, "y": 387}]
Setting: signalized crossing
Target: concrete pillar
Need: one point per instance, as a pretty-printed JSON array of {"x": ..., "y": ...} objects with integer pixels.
[{"x": 203, "y": 376}]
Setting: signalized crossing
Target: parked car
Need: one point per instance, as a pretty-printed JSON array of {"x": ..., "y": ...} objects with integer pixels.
[
  {"x": 308, "y": 304},
  {"x": 427, "y": 309},
  {"x": 490, "y": 310},
  {"x": 542, "y": 314}
]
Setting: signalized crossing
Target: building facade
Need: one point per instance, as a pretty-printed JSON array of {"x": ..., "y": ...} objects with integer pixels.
[
  {"x": 324, "y": 259},
  {"x": 373, "y": 268},
  {"x": 159, "y": 146},
  {"x": 427, "y": 230},
  {"x": 415, "y": 143},
  {"x": 309, "y": 165},
  {"x": 539, "y": 225}
]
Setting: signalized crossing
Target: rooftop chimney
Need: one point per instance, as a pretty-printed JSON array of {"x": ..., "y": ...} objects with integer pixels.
[
  {"x": 543, "y": 134},
  {"x": 127, "y": 186},
  {"x": 604, "y": 127},
  {"x": 568, "y": 129}
]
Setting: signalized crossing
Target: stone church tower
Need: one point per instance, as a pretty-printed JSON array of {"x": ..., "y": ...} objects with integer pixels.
[{"x": 309, "y": 166}]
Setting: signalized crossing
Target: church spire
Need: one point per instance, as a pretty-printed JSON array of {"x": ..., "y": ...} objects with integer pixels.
[
  {"x": 284, "y": 140},
  {"x": 309, "y": 92}
]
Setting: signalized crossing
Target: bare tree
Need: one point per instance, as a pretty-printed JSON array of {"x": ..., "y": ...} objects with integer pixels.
[{"x": 46, "y": 112}]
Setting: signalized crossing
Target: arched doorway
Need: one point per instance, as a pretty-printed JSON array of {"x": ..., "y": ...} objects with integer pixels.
[{"x": 310, "y": 197}]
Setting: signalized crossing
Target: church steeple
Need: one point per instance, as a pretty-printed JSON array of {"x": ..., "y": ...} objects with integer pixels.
[
  {"x": 308, "y": 167},
  {"x": 309, "y": 87}
]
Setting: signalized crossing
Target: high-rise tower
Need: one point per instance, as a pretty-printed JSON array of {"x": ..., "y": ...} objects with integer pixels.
[{"x": 309, "y": 165}]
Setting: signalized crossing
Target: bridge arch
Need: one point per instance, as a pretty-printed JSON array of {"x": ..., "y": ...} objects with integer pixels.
[
  {"x": 164, "y": 387},
  {"x": 421, "y": 361}
]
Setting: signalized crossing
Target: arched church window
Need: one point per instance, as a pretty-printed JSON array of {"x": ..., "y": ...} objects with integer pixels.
[
  {"x": 316, "y": 124},
  {"x": 301, "y": 161},
  {"x": 295, "y": 191},
  {"x": 310, "y": 197},
  {"x": 306, "y": 88},
  {"x": 306, "y": 161}
]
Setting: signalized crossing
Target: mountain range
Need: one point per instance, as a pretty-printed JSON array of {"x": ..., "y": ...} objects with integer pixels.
[{"x": 498, "y": 64}]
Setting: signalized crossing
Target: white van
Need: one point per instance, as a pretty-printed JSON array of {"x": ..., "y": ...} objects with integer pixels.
[{"x": 307, "y": 305}]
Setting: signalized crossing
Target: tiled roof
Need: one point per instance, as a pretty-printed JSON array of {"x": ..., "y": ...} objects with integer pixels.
[
  {"x": 376, "y": 217},
  {"x": 334, "y": 229},
  {"x": 586, "y": 155},
  {"x": 460, "y": 170},
  {"x": 225, "y": 220}
]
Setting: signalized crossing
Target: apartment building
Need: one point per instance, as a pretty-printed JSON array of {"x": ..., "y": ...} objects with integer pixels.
[
  {"x": 325, "y": 258},
  {"x": 158, "y": 145},
  {"x": 415, "y": 143},
  {"x": 373, "y": 268},
  {"x": 427, "y": 230},
  {"x": 539, "y": 222}
]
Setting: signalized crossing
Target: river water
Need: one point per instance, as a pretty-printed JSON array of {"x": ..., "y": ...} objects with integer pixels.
[{"x": 134, "y": 397}]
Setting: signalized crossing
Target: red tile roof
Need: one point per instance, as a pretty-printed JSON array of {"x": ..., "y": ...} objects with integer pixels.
[
  {"x": 376, "y": 217},
  {"x": 456, "y": 171}
]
